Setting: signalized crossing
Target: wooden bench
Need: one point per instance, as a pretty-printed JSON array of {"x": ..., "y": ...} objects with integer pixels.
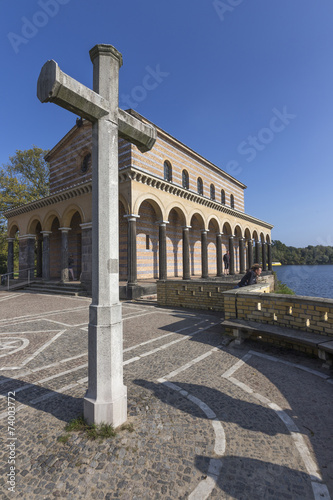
[{"x": 244, "y": 329}]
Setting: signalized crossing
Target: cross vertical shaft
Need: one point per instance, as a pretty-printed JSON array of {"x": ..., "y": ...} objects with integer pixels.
[{"x": 106, "y": 398}]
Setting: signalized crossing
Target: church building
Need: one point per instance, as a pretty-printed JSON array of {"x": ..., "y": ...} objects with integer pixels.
[{"x": 178, "y": 214}]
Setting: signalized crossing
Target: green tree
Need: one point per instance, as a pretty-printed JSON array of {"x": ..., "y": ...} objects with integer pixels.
[{"x": 23, "y": 179}]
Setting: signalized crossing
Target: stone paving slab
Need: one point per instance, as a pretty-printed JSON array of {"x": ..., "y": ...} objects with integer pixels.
[{"x": 207, "y": 419}]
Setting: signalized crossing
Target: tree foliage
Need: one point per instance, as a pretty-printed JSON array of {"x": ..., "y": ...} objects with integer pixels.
[
  {"x": 24, "y": 179},
  {"x": 311, "y": 255}
]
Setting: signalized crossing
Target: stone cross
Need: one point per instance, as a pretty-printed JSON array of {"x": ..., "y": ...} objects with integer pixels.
[{"x": 106, "y": 398}]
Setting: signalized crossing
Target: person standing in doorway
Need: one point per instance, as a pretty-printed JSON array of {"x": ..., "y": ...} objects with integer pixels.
[{"x": 226, "y": 261}]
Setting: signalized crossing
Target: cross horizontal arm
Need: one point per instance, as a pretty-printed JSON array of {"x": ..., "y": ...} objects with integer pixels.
[
  {"x": 141, "y": 134},
  {"x": 55, "y": 86}
]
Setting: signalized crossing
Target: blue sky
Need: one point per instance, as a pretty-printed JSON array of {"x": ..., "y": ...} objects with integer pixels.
[{"x": 246, "y": 83}]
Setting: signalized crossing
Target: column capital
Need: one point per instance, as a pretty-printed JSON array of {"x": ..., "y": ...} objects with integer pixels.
[
  {"x": 186, "y": 227},
  {"x": 46, "y": 233},
  {"x": 131, "y": 217},
  {"x": 27, "y": 236},
  {"x": 86, "y": 225},
  {"x": 204, "y": 231},
  {"x": 65, "y": 229},
  {"x": 162, "y": 222},
  {"x": 10, "y": 239}
]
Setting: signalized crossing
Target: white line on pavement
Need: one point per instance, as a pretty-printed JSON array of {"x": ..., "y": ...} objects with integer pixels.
[
  {"x": 205, "y": 487},
  {"x": 44, "y": 346},
  {"x": 289, "y": 363},
  {"x": 320, "y": 491}
]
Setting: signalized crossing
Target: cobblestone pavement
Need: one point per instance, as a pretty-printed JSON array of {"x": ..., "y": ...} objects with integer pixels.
[{"x": 207, "y": 419}]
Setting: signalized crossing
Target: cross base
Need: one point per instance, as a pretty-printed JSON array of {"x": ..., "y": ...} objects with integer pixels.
[{"x": 99, "y": 412}]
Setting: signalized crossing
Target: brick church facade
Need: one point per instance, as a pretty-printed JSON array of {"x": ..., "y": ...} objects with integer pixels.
[{"x": 178, "y": 214}]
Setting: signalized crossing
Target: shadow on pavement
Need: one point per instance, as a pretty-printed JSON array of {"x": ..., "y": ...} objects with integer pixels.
[
  {"x": 60, "y": 405},
  {"x": 247, "y": 415}
]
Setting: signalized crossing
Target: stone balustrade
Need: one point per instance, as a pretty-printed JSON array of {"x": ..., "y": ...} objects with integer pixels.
[
  {"x": 309, "y": 314},
  {"x": 252, "y": 303}
]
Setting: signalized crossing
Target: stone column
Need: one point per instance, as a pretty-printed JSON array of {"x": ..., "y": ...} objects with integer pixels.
[
  {"x": 241, "y": 256},
  {"x": 64, "y": 253},
  {"x": 46, "y": 255},
  {"x": 27, "y": 256},
  {"x": 219, "y": 255},
  {"x": 186, "y": 253},
  {"x": 264, "y": 262},
  {"x": 204, "y": 255},
  {"x": 257, "y": 252},
  {"x": 162, "y": 257},
  {"x": 132, "y": 266},
  {"x": 269, "y": 256},
  {"x": 232, "y": 255},
  {"x": 10, "y": 256},
  {"x": 86, "y": 255},
  {"x": 39, "y": 266},
  {"x": 250, "y": 253}
]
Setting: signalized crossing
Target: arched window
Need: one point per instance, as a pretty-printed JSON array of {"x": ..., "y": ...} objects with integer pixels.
[
  {"x": 185, "y": 181},
  {"x": 200, "y": 186},
  {"x": 212, "y": 192},
  {"x": 222, "y": 197},
  {"x": 232, "y": 201},
  {"x": 167, "y": 171}
]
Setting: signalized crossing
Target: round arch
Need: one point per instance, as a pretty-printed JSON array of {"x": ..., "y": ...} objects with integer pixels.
[
  {"x": 255, "y": 236},
  {"x": 49, "y": 218},
  {"x": 213, "y": 221},
  {"x": 154, "y": 204},
  {"x": 33, "y": 224},
  {"x": 226, "y": 229},
  {"x": 180, "y": 211},
  {"x": 153, "y": 200},
  {"x": 124, "y": 203},
  {"x": 199, "y": 217},
  {"x": 68, "y": 214},
  {"x": 13, "y": 229},
  {"x": 238, "y": 231},
  {"x": 247, "y": 234}
]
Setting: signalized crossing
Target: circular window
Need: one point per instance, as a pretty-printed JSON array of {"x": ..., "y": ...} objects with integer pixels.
[{"x": 86, "y": 163}]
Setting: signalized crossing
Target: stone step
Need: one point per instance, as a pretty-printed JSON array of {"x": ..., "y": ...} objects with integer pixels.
[{"x": 56, "y": 288}]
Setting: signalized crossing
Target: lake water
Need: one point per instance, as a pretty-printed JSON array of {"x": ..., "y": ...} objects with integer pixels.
[{"x": 313, "y": 281}]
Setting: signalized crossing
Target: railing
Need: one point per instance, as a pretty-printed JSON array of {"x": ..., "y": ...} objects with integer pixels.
[{"x": 6, "y": 277}]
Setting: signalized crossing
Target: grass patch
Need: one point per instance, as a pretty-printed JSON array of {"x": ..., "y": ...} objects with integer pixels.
[
  {"x": 63, "y": 439},
  {"x": 92, "y": 431},
  {"x": 283, "y": 288},
  {"x": 127, "y": 427}
]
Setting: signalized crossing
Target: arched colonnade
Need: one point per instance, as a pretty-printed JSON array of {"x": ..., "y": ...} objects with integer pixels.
[{"x": 154, "y": 242}]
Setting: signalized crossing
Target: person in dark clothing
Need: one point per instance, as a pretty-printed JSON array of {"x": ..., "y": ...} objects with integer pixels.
[
  {"x": 226, "y": 261},
  {"x": 250, "y": 278}
]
